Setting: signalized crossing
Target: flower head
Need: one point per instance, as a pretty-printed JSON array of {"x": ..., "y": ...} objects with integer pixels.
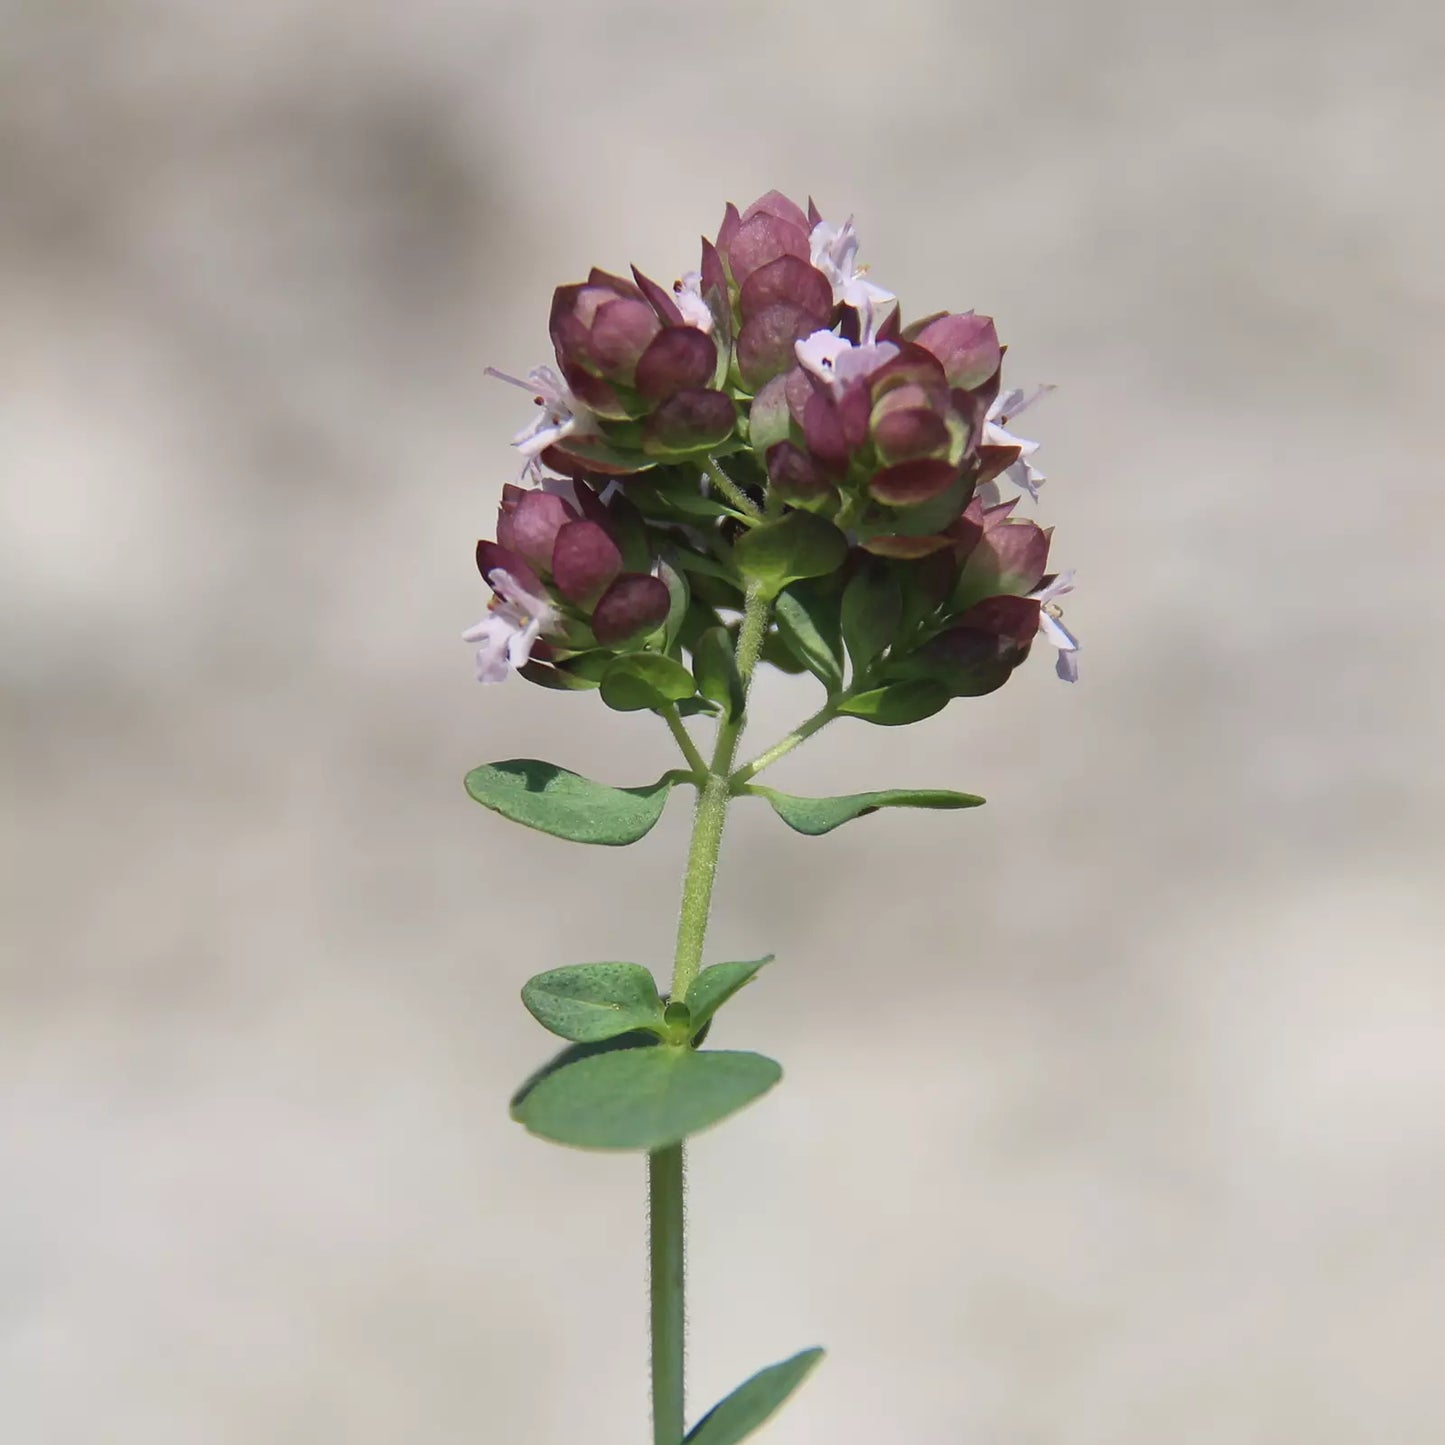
[
  {"x": 1021, "y": 471},
  {"x": 562, "y": 414},
  {"x": 833, "y": 250},
  {"x": 518, "y": 615},
  {"x": 1051, "y": 624}
]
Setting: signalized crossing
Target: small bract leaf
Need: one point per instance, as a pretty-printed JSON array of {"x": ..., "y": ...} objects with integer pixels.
[
  {"x": 801, "y": 545},
  {"x": 821, "y": 815},
  {"x": 895, "y": 706},
  {"x": 714, "y": 986},
  {"x": 588, "y": 1002},
  {"x": 565, "y": 804},
  {"x": 638, "y": 680},
  {"x": 808, "y": 624},
  {"x": 753, "y": 1403},
  {"x": 679, "y": 595},
  {"x": 716, "y": 671},
  {"x": 644, "y": 1098},
  {"x": 872, "y": 612}
]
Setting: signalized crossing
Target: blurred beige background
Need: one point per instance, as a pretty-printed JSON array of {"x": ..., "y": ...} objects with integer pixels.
[{"x": 1114, "y": 1110}]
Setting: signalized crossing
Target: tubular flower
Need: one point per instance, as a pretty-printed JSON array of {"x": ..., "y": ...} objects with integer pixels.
[{"x": 834, "y": 251}]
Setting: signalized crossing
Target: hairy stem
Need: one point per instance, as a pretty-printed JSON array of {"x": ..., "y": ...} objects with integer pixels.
[
  {"x": 694, "y": 758},
  {"x": 665, "y": 1166},
  {"x": 730, "y": 489},
  {"x": 799, "y": 734}
]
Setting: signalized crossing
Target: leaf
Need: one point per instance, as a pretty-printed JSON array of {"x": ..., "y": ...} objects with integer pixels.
[
  {"x": 574, "y": 1054},
  {"x": 679, "y": 595},
  {"x": 808, "y": 624},
  {"x": 643, "y": 1098},
  {"x": 716, "y": 671},
  {"x": 753, "y": 1402},
  {"x": 871, "y": 615},
  {"x": 815, "y": 816},
  {"x": 714, "y": 986},
  {"x": 895, "y": 706},
  {"x": 589, "y": 1002},
  {"x": 567, "y": 805},
  {"x": 638, "y": 680},
  {"x": 801, "y": 545}
]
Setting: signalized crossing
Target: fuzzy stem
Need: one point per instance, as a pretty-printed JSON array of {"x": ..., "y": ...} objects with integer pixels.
[
  {"x": 694, "y": 758},
  {"x": 665, "y": 1166},
  {"x": 730, "y": 489},
  {"x": 799, "y": 734}
]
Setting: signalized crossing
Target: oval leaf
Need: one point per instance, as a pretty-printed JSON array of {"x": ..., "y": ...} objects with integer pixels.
[
  {"x": 646, "y": 1098},
  {"x": 801, "y": 545},
  {"x": 716, "y": 671},
  {"x": 815, "y": 816},
  {"x": 714, "y": 986},
  {"x": 871, "y": 615},
  {"x": 588, "y": 1002},
  {"x": 566, "y": 805},
  {"x": 808, "y": 624},
  {"x": 753, "y": 1403},
  {"x": 898, "y": 705},
  {"x": 638, "y": 680}
]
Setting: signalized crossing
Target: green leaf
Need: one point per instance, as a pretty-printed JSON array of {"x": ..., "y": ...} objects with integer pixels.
[
  {"x": 807, "y": 619},
  {"x": 588, "y": 1002},
  {"x": 871, "y": 615},
  {"x": 821, "y": 815},
  {"x": 643, "y": 1098},
  {"x": 679, "y": 595},
  {"x": 638, "y": 680},
  {"x": 801, "y": 545},
  {"x": 714, "y": 986},
  {"x": 903, "y": 702},
  {"x": 559, "y": 678},
  {"x": 716, "y": 671},
  {"x": 567, "y": 805},
  {"x": 753, "y": 1403}
]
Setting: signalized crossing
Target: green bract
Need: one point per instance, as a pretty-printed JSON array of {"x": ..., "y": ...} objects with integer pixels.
[
  {"x": 638, "y": 680},
  {"x": 801, "y": 545}
]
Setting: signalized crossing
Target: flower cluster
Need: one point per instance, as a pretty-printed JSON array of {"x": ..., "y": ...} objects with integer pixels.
[{"x": 769, "y": 425}]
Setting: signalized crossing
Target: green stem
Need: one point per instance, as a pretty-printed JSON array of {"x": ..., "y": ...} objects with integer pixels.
[
  {"x": 730, "y": 489},
  {"x": 799, "y": 734},
  {"x": 665, "y": 1167},
  {"x": 694, "y": 758},
  {"x": 665, "y": 1217}
]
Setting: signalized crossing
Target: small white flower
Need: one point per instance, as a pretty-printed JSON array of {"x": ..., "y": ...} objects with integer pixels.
[
  {"x": 1023, "y": 473},
  {"x": 562, "y": 414},
  {"x": 1051, "y": 624},
  {"x": 834, "y": 251},
  {"x": 687, "y": 293},
  {"x": 834, "y": 359},
  {"x": 507, "y": 634}
]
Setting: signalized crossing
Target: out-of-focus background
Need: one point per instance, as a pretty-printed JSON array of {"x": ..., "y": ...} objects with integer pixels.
[{"x": 1114, "y": 1109}]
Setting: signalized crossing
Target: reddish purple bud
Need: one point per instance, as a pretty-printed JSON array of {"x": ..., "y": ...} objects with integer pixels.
[
  {"x": 853, "y": 411},
  {"x": 991, "y": 462},
  {"x": 765, "y": 343},
  {"x": 967, "y": 345},
  {"x": 912, "y": 482},
  {"x": 788, "y": 279},
  {"x": 535, "y": 521},
  {"x": 660, "y": 298},
  {"x": 621, "y": 331},
  {"x": 679, "y": 358},
  {"x": 1014, "y": 619},
  {"x": 775, "y": 203},
  {"x": 762, "y": 239},
  {"x": 798, "y": 387},
  {"x": 891, "y": 328},
  {"x": 619, "y": 285},
  {"x": 795, "y": 474},
  {"x": 692, "y": 420},
  {"x": 901, "y": 435},
  {"x": 714, "y": 277},
  {"x": 823, "y": 430},
  {"x": 1009, "y": 558},
  {"x": 584, "y": 560},
  {"x": 814, "y": 214},
  {"x": 732, "y": 223},
  {"x": 970, "y": 661},
  {"x": 492, "y": 558},
  {"x": 634, "y": 605}
]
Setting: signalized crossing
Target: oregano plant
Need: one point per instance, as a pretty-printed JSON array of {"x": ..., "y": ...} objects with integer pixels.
[{"x": 761, "y": 465}]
